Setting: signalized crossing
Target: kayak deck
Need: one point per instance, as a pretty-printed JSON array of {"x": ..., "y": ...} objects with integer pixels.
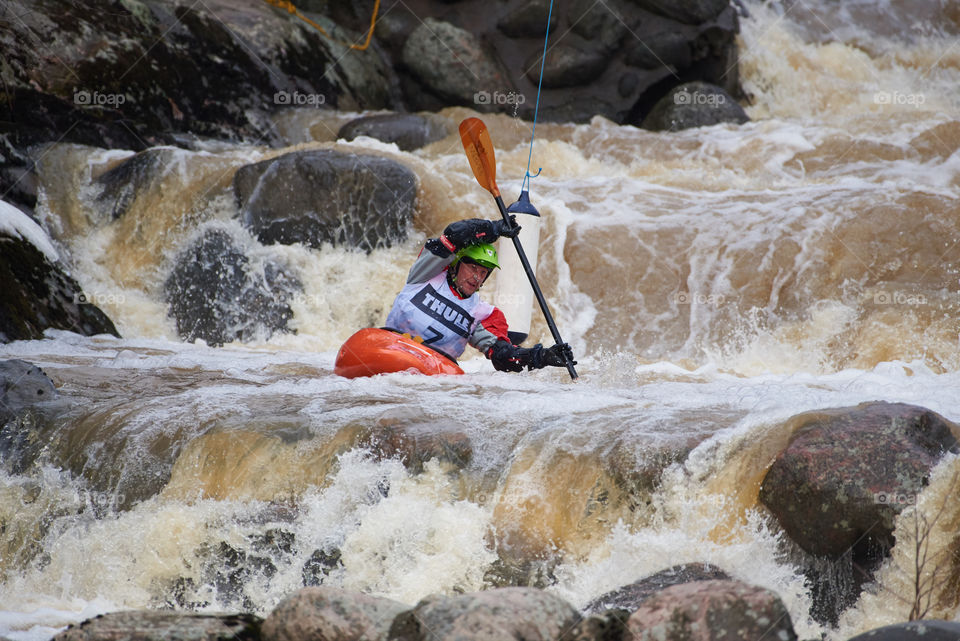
[{"x": 373, "y": 351}]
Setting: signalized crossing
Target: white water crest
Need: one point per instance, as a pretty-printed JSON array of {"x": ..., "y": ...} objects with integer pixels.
[{"x": 713, "y": 283}]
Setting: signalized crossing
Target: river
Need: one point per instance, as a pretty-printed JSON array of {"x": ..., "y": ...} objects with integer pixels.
[{"x": 712, "y": 282}]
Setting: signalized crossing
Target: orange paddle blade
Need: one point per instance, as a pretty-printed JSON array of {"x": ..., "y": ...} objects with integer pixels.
[{"x": 479, "y": 148}]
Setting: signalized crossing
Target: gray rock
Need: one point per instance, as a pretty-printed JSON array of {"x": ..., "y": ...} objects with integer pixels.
[
  {"x": 330, "y": 614},
  {"x": 408, "y": 131},
  {"x": 120, "y": 185},
  {"x": 913, "y": 631},
  {"x": 528, "y": 19},
  {"x": 523, "y": 614},
  {"x": 602, "y": 23},
  {"x": 694, "y": 104},
  {"x": 568, "y": 64},
  {"x": 214, "y": 294},
  {"x": 316, "y": 197},
  {"x": 688, "y": 11},
  {"x": 39, "y": 294},
  {"x": 667, "y": 48},
  {"x": 164, "y": 626},
  {"x": 452, "y": 63},
  {"x": 22, "y": 385},
  {"x": 711, "y": 611},
  {"x": 630, "y": 597}
]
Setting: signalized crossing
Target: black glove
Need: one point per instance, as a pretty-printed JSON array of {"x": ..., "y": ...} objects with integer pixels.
[
  {"x": 474, "y": 231},
  {"x": 510, "y": 358}
]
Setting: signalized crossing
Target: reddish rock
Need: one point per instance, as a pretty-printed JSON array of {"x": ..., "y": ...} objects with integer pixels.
[
  {"x": 709, "y": 610},
  {"x": 324, "y": 613},
  {"x": 502, "y": 614}
]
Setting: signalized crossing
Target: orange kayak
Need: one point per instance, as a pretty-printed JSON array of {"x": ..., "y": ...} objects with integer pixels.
[{"x": 379, "y": 351}]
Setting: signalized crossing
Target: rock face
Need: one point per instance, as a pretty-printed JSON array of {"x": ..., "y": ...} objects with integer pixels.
[
  {"x": 408, "y": 131},
  {"x": 323, "y": 613},
  {"x": 215, "y": 294},
  {"x": 37, "y": 293},
  {"x": 629, "y": 597},
  {"x": 164, "y": 626},
  {"x": 711, "y": 610},
  {"x": 694, "y": 104},
  {"x": 847, "y": 473},
  {"x": 316, "y": 197},
  {"x": 502, "y": 614}
]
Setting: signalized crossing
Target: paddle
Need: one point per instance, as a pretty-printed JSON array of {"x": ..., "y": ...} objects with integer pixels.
[{"x": 479, "y": 148}]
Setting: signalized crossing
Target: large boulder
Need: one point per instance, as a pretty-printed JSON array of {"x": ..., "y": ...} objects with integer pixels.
[
  {"x": 326, "y": 614},
  {"x": 38, "y": 293},
  {"x": 630, "y": 597},
  {"x": 408, "y": 131},
  {"x": 847, "y": 473},
  {"x": 502, "y": 614},
  {"x": 164, "y": 626},
  {"x": 694, "y": 104},
  {"x": 913, "y": 631},
  {"x": 711, "y": 611},
  {"x": 840, "y": 483},
  {"x": 324, "y": 196},
  {"x": 215, "y": 293}
]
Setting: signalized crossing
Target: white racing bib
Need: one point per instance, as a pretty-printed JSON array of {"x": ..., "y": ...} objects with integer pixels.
[{"x": 433, "y": 312}]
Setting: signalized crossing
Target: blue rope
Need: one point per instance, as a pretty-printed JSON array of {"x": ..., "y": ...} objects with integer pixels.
[{"x": 536, "y": 110}]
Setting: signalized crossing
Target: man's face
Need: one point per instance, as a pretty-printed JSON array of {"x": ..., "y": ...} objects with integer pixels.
[{"x": 470, "y": 277}]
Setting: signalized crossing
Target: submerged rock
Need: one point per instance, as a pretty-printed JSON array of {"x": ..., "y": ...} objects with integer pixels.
[
  {"x": 22, "y": 385},
  {"x": 215, "y": 294},
  {"x": 38, "y": 293},
  {"x": 316, "y": 197},
  {"x": 320, "y": 613},
  {"x": 501, "y": 614},
  {"x": 409, "y": 437},
  {"x": 408, "y": 131},
  {"x": 694, "y": 104},
  {"x": 146, "y": 625},
  {"x": 711, "y": 611}
]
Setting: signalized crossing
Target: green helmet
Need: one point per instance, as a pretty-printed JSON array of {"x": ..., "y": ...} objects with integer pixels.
[{"x": 482, "y": 254}]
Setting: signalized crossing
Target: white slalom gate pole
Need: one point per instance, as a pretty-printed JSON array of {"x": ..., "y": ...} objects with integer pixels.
[{"x": 514, "y": 294}]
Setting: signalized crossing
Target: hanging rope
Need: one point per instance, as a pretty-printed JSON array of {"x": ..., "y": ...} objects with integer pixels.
[
  {"x": 286, "y": 4},
  {"x": 536, "y": 110}
]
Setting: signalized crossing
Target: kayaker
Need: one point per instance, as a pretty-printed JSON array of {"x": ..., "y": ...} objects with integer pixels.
[{"x": 440, "y": 303}]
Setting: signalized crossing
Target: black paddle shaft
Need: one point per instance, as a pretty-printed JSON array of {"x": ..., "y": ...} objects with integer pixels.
[{"x": 536, "y": 289}]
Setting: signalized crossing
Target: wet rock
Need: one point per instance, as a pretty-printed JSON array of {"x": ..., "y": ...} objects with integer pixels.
[
  {"x": 22, "y": 385},
  {"x": 848, "y": 472},
  {"x": 119, "y": 186},
  {"x": 687, "y": 11},
  {"x": 528, "y": 19},
  {"x": 38, "y": 293},
  {"x": 840, "y": 483},
  {"x": 408, "y": 131},
  {"x": 215, "y": 294},
  {"x": 630, "y": 597},
  {"x": 567, "y": 64},
  {"x": 452, "y": 64},
  {"x": 164, "y": 626},
  {"x": 417, "y": 441},
  {"x": 694, "y": 104},
  {"x": 914, "y": 630},
  {"x": 711, "y": 610},
  {"x": 668, "y": 48},
  {"x": 500, "y": 614},
  {"x": 321, "y": 613},
  {"x": 604, "y": 24},
  {"x": 319, "y": 566},
  {"x": 316, "y": 197}
]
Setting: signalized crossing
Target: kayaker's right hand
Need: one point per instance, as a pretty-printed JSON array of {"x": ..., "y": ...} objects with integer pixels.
[
  {"x": 474, "y": 231},
  {"x": 506, "y": 357}
]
